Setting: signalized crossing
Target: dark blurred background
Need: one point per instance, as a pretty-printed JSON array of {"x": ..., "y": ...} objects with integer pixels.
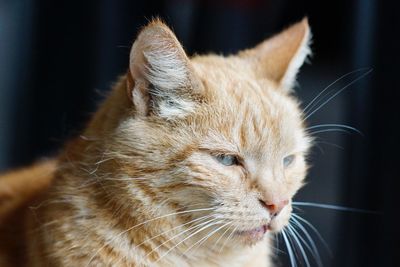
[{"x": 58, "y": 59}]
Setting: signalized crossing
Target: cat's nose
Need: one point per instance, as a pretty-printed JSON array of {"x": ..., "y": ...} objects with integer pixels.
[{"x": 274, "y": 207}]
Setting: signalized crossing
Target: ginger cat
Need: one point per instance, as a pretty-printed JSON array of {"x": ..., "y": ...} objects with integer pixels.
[{"x": 188, "y": 162}]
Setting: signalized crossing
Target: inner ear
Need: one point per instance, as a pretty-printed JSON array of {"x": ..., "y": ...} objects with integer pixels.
[
  {"x": 280, "y": 57},
  {"x": 161, "y": 79}
]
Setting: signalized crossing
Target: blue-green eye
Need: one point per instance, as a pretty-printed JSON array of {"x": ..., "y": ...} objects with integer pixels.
[
  {"x": 287, "y": 161},
  {"x": 227, "y": 160}
]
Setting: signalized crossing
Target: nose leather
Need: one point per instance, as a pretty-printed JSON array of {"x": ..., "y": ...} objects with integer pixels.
[{"x": 274, "y": 207}]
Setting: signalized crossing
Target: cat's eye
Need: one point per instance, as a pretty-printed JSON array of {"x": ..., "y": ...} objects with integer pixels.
[
  {"x": 288, "y": 160},
  {"x": 227, "y": 160}
]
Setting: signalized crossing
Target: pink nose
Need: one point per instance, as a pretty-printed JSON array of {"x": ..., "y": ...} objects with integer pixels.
[{"x": 274, "y": 208}]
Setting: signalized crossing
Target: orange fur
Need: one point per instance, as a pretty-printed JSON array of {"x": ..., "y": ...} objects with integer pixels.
[
  {"x": 143, "y": 185},
  {"x": 18, "y": 190}
]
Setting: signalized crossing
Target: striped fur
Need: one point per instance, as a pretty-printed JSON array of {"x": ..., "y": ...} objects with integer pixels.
[{"x": 142, "y": 187}]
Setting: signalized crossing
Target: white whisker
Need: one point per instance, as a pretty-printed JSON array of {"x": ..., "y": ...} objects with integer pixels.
[
  {"x": 333, "y": 207},
  {"x": 181, "y": 233},
  {"x": 315, "y": 231},
  {"x": 289, "y": 248},
  {"x": 216, "y": 242},
  {"x": 329, "y": 130},
  {"x": 310, "y": 104},
  {"x": 125, "y": 179},
  {"x": 340, "y": 126},
  {"x": 176, "y": 227},
  {"x": 313, "y": 247},
  {"x": 202, "y": 240},
  {"x": 276, "y": 239},
  {"x": 172, "y": 229},
  {"x": 229, "y": 237},
  {"x": 294, "y": 245},
  {"x": 143, "y": 223},
  {"x": 196, "y": 232},
  {"x": 318, "y": 141},
  {"x": 338, "y": 92},
  {"x": 299, "y": 245}
]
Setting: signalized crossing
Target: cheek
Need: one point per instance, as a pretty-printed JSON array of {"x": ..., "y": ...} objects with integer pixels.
[
  {"x": 203, "y": 170},
  {"x": 206, "y": 181},
  {"x": 295, "y": 176}
]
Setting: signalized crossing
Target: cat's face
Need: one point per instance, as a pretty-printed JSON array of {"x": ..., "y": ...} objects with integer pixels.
[
  {"x": 219, "y": 135},
  {"x": 248, "y": 155}
]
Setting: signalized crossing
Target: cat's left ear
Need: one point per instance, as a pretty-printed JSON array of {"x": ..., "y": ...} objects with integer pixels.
[
  {"x": 280, "y": 57},
  {"x": 161, "y": 80}
]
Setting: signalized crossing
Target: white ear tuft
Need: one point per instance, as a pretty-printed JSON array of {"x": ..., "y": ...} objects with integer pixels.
[{"x": 176, "y": 107}]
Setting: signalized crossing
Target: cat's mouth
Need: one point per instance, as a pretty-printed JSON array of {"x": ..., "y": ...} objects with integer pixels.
[{"x": 254, "y": 234}]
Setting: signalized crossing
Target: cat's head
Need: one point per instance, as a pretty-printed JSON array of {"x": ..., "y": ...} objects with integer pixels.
[{"x": 222, "y": 136}]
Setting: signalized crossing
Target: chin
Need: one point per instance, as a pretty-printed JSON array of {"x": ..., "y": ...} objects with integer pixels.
[{"x": 252, "y": 236}]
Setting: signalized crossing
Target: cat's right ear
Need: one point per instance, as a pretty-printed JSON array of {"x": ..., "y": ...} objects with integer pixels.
[
  {"x": 161, "y": 80},
  {"x": 280, "y": 57}
]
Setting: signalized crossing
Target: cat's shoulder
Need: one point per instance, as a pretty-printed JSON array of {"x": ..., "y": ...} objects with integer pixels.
[{"x": 19, "y": 187}]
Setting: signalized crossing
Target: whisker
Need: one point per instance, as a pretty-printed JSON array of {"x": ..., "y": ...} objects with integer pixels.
[
  {"x": 338, "y": 92},
  {"x": 329, "y": 86},
  {"x": 328, "y": 143},
  {"x": 196, "y": 232},
  {"x": 176, "y": 227},
  {"x": 289, "y": 248},
  {"x": 329, "y": 130},
  {"x": 294, "y": 246},
  {"x": 202, "y": 240},
  {"x": 312, "y": 227},
  {"x": 275, "y": 248},
  {"x": 297, "y": 241},
  {"x": 181, "y": 233},
  {"x": 311, "y": 247},
  {"x": 216, "y": 242},
  {"x": 315, "y": 253},
  {"x": 334, "y": 207},
  {"x": 125, "y": 179},
  {"x": 276, "y": 240},
  {"x": 298, "y": 234},
  {"x": 340, "y": 126},
  {"x": 229, "y": 237},
  {"x": 143, "y": 223},
  {"x": 172, "y": 229}
]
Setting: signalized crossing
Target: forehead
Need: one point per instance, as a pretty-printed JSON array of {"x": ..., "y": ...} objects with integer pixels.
[{"x": 250, "y": 113}]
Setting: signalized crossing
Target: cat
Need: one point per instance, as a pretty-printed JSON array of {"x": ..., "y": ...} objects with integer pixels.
[{"x": 188, "y": 162}]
